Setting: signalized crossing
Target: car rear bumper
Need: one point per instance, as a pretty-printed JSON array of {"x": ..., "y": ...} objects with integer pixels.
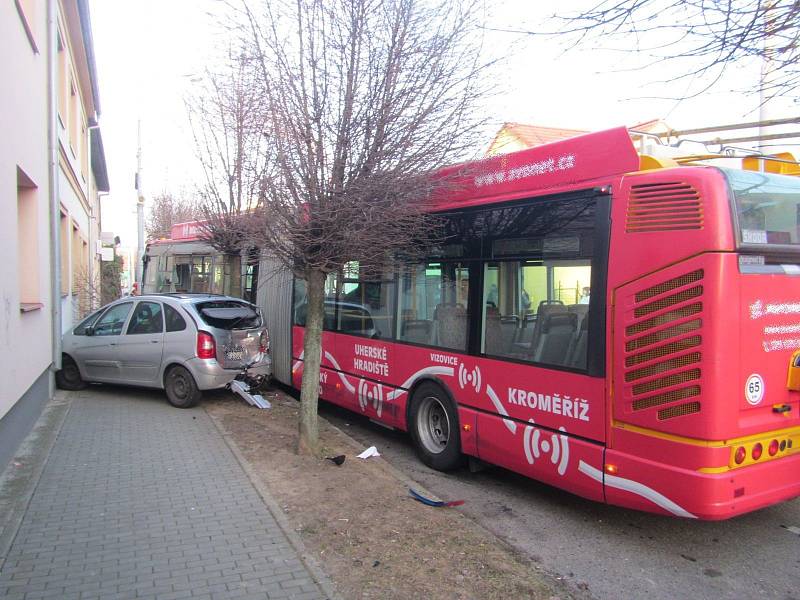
[{"x": 209, "y": 374}]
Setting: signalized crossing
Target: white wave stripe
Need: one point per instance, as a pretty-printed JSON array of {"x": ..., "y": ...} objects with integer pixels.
[
  {"x": 782, "y": 329},
  {"x": 298, "y": 363},
  {"x": 350, "y": 387},
  {"x": 510, "y": 425},
  {"x": 526, "y": 441},
  {"x": 421, "y": 373},
  {"x": 634, "y": 487}
]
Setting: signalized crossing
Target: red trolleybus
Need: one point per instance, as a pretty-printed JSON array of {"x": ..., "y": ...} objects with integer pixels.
[{"x": 625, "y": 334}]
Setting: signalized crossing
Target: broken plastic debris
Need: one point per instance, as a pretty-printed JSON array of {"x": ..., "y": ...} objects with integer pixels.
[
  {"x": 337, "y": 460},
  {"x": 430, "y": 502},
  {"x": 243, "y": 390},
  {"x": 369, "y": 452}
]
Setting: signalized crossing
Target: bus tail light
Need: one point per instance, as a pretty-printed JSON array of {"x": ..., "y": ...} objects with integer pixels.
[
  {"x": 773, "y": 447},
  {"x": 263, "y": 342},
  {"x": 757, "y": 450},
  {"x": 206, "y": 346},
  {"x": 740, "y": 455}
]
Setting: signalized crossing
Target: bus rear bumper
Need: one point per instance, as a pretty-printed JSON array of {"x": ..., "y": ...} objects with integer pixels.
[{"x": 655, "y": 487}]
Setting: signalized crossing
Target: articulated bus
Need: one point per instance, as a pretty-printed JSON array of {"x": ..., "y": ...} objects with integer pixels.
[
  {"x": 186, "y": 262},
  {"x": 624, "y": 328}
]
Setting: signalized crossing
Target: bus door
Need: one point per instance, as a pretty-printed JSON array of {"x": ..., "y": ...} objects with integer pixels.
[
  {"x": 540, "y": 383},
  {"x": 364, "y": 326}
]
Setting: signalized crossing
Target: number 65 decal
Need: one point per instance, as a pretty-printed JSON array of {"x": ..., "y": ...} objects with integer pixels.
[{"x": 754, "y": 389}]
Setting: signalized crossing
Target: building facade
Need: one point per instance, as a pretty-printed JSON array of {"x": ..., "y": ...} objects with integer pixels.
[{"x": 52, "y": 171}]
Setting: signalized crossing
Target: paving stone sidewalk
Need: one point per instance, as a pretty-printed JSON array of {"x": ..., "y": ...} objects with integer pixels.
[{"x": 142, "y": 500}]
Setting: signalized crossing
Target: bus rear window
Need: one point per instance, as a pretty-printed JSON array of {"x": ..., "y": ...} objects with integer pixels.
[
  {"x": 228, "y": 314},
  {"x": 767, "y": 207}
]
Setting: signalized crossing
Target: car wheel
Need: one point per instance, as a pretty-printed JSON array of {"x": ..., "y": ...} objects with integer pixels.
[
  {"x": 69, "y": 376},
  {"x": 182, "y": 391},
  {"x": 434, "y": 428}
]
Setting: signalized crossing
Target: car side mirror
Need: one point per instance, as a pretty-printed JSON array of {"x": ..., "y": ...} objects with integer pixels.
[{"x": 90, "y": 330}]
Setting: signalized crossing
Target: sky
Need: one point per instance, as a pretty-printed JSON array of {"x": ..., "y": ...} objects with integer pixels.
[{"x": 149, "y": 51}]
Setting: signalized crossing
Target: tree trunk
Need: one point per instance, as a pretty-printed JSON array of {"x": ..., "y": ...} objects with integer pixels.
[{"x": 308, "y": 442}]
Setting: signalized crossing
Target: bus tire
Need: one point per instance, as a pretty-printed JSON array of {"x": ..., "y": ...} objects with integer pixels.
[
  {"x": 434, "y": 427},
  {"x": 182, "y": 391}
]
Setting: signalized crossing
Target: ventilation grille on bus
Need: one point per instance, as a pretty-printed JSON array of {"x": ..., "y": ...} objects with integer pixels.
[
  {"x": 663, "y": 347},
  {"x": 664, "y": 207}
]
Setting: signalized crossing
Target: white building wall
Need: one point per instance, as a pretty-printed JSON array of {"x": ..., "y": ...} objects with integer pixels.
[{"x": 25, "y": 338}]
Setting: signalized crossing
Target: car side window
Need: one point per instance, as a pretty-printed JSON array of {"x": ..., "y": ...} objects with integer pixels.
[
  {"x": 175, "y": 322},
  {"x": 147, "y": 318},
  {"x": 86, "y": 323},
  {"x": 113, "y": 320}
]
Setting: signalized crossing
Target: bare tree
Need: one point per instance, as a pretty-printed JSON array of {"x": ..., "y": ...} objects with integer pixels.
[
  {"x": 707, "y": 36},
  {"x": 229, "y": 123},
  {"x": 166, "y": 210},
  {"x": 363, "y": 100}
]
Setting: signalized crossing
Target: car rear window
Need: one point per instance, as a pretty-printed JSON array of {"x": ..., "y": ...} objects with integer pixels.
[{"x": 228, "y": 314}]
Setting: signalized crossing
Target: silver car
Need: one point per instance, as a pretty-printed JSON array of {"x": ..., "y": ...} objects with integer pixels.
[{"x": 182, "y": 343}]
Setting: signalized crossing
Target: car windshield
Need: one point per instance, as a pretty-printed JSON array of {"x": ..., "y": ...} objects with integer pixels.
[
  {"x": 767, "y": 207},
  {"x": 228, "y": 314}
]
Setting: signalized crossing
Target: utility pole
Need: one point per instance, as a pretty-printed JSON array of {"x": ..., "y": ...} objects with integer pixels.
[
  {"x": 139, "y": 212},
  {"x": 767, "y": 67}
]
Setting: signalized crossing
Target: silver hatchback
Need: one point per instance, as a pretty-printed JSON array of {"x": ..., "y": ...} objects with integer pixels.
[{"x": 182, "y": 343}]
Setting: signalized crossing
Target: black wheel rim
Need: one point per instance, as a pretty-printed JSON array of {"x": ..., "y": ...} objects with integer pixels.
[{"x": 180, "y": 386}]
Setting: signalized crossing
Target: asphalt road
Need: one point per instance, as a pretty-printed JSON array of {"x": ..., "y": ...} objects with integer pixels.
[{"x": 604, "y": 551}]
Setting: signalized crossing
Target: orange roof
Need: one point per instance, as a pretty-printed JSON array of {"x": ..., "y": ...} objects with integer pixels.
[
  {"x": 535, "y": 135},
  {"x": 530, "y": 136}
]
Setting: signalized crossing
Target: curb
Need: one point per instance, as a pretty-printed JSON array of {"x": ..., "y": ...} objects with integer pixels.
[
  {"x": 17, "y": 486},
  {"x": 263, "y": 491}
]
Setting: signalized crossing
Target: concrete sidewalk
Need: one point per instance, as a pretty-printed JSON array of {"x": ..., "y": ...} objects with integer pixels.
[{"x": 141, "y": 500}]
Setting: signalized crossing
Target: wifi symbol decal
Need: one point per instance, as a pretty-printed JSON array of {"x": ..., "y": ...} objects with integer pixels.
[
  {"x": 557, "y": 446},
  {"x": 370, "y": 393},
  {"x": 469, "y": 378}
]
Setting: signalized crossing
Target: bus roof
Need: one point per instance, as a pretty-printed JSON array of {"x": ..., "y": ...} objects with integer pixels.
[{"x": 561, "y": 163}]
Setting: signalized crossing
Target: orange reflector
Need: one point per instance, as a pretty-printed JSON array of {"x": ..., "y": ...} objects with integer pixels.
[
  {"x": 611, "y": 469},
  {"x": 467, "y": 427}
]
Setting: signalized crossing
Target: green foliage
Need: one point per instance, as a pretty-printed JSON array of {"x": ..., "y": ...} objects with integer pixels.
[{"x": 110, "y": 287}]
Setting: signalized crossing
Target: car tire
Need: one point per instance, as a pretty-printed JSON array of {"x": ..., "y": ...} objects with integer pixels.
[
  {"x": 433, "y": 424},
  {"x": 181, "y": 388},
  {"x": 69, "y": 376}
]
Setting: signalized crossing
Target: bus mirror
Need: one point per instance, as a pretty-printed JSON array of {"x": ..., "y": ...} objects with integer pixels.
[{"x": 793, "y": 381}]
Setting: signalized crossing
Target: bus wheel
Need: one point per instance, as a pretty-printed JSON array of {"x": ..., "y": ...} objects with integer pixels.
[{"x": 434, "y": 428}]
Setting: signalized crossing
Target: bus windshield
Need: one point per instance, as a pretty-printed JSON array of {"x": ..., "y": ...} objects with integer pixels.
[{"x": 767, "y": 207}]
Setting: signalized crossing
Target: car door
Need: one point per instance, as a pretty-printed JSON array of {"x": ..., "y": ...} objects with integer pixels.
[
  {"x": 97, "y": 352},
  {"x": 140, "y": 349}
]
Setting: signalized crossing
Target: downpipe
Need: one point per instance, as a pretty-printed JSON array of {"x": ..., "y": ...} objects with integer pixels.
[{"x": 55, "y": 209}]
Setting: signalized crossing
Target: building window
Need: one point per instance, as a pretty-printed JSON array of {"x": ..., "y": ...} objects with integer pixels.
[
  {"x": 62, "y": 79},
  {"x": 27, "y": 241},
  {"x": 72, "y": 125},
  {"x": 64, "y": 231},
  {"x": 28, "y": 14},
  {"x": 77, "y": 248},
  {"x": 84, "y": 150}
]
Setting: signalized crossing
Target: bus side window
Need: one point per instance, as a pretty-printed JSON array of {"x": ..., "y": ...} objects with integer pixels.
[
  {"x": 433, "y": 305},
  {"x": 536, "y": 311}
]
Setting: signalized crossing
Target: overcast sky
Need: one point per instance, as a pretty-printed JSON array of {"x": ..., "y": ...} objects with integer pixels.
[{"x": 148, "y": 51}]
